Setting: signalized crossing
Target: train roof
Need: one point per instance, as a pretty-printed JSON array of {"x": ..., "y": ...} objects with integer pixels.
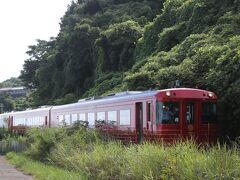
[
  {"x": 111, "y": 98},
  {"x": 124, "y": 96},
  {"x": 39, "y": 111}
]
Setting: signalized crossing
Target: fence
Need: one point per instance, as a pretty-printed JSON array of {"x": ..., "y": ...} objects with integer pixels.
[{"x": 11, "y": 146}]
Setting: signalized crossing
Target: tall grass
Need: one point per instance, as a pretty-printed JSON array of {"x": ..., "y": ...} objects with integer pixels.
[{"x": 83, "y": 151}]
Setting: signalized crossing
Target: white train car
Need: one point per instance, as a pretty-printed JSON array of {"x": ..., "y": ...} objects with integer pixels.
[
  {"x": 122, "y": 113},
  {"x": 119, "y": 109},
  {"x": 19, "y": 121}
]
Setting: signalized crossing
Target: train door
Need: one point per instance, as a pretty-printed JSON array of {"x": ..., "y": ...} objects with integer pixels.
[
  {"x": 149, "y": 115},
  {"x": 189, "y": 116},
  {"x": 46, "y": 121},
  {"x": 139, "y": 121}
]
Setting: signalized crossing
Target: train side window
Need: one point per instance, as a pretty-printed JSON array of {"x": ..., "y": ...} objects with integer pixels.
[
  {"x": 167, "y": 112},
  {"x": 41, "y": 121},
  {"x": 74, "y": 118},
  {"x": 91, "y": 119},
  {"x": 36, "y": 121},
  {"x": 60, "y": 120},
  {"x": 33, "y": 120},
  {"x": 112, "y": 117},
  {"x": 29, "y": 121},
  {"x": 209, "y": 112},
  {"x": 15, "y": 122},
  {"x": 82, "y": 117},
  {"x": 149, "y": 111},
  {"x": 190, "y": 113},
  {"x": 101, "y": 116},
  {"x": 21, "y": 121},
  {"x": 67, "y": 119},
  {"x": 125, "y": 117}
]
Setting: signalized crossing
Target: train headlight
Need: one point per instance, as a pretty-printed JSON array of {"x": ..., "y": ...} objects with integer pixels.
[
  {"x": 210, "y": 95},
  {"x": 168, "y": 93}
]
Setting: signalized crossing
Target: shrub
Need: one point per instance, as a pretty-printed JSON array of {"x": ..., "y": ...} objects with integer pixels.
[{"x": 42, "y": 141}]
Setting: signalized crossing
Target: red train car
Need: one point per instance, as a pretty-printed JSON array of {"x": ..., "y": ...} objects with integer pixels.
[{"x": 135, "y": 116}]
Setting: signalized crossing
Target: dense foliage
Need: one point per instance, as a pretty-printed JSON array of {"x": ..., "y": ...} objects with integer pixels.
[
  {"x": 12, "y": 82},
  {"x": 113, "y": 45},
  {"x": 7, "y": 102},
  {"x": 95, "y": 45}
]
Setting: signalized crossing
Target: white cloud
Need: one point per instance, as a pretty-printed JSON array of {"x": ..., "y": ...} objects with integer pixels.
[{"x": 21, "y": 23}]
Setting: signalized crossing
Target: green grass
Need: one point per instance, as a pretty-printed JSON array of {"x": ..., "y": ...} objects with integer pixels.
[
  {"x": 85, "y": 152},
  {"x": 40, "y": 170},
  {"x": 184, "y": 160}
]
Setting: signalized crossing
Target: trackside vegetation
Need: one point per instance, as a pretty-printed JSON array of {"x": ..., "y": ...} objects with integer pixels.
[{"x": 87, "y": 154}]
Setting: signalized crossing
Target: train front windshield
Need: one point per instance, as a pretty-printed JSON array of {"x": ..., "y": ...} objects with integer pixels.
[
  {"x": 168, "y": 112},
  {"x": 209, "y": 112}
]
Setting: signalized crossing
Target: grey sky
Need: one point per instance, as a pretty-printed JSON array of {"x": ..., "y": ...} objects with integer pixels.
[{"x": 21, "y": 23}]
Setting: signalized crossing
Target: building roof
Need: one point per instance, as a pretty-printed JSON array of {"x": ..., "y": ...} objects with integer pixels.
[{"x": 12, "y": 89}]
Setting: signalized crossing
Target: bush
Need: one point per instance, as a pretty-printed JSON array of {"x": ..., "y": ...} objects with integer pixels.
[{"x": 42, "y": 141}]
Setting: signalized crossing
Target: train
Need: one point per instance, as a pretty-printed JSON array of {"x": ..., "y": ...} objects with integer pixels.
[{"x": 154, "y": 115}]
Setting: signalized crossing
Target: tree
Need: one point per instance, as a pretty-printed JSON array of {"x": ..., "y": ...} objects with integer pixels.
[
  {"x": 6, "y": 102},
  {"x": 116, "y": 46},
  {"x": 12, "y": 82},
  {"x": 38, "y": 55}
]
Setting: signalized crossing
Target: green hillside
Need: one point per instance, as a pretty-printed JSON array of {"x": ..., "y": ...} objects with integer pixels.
[
  {"x": 10, "y": 103},
  {"x": 114, "y": 45},
  {"x": 12, "y": 82}
]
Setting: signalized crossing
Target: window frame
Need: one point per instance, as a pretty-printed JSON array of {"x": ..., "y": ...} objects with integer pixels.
[
  {"x": 92, "y": 120},
  {"x": 159, "y": 116},
  {"x": 121, "y": 110},
  {"x": 116, "y": 116},
  {"x": 215, "y": 113},
  {"x": 102, "y": 113}
]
